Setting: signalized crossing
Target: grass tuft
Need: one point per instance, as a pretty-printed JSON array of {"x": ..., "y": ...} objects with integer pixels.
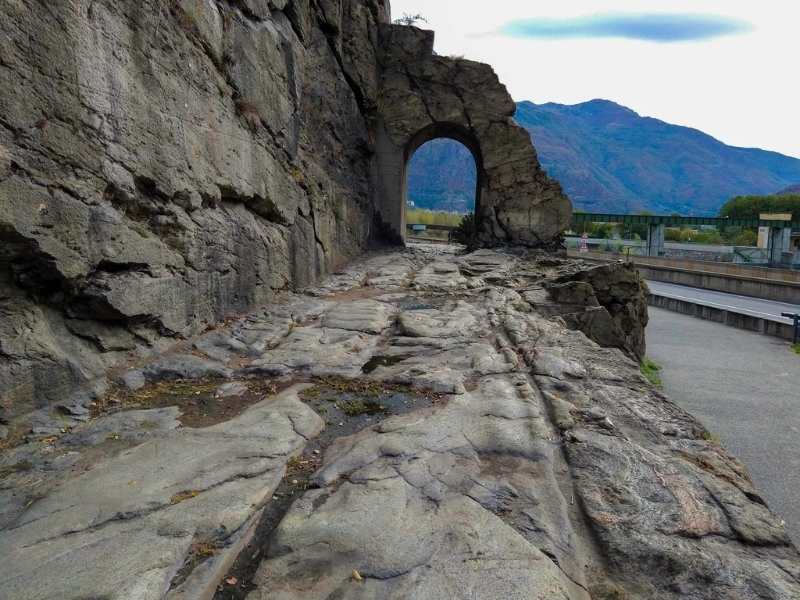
[
  {"x": 651, "y": 372},
  {"x": 203, "y": 549},
  {"x": 355, "y": 408},
  {"x": 796, "y": 348}
]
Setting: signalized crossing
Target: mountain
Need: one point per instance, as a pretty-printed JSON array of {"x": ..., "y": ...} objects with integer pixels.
[
  {"x": 442, "y": 177},
  {"x": 790, "y": 191},
  {"x": 610, "y": 159}
]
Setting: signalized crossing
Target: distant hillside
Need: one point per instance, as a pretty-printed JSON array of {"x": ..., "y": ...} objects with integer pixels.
[
  {"x": 610, "y": 159},
  {"x": 442, "y": 176},
  {"x": 790, "y": 191}
]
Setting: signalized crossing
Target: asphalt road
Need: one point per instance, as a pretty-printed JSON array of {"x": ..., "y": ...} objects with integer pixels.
[
  {"x": 745, "y": 304},
  {"x": 745, "y": 388}
]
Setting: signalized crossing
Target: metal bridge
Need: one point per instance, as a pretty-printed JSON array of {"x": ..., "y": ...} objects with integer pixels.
[
  {"x": 677, "y": 220},
  {"x": 779, "y": 230},
  {"x": 778, "y": 242}
]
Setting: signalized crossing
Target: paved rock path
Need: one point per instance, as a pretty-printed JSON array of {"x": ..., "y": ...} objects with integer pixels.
[{"x": 415, "y": 427}]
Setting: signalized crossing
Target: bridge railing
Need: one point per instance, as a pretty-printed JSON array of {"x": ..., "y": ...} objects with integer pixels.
[
  {"x": 676, "y": 221},
  {"x": 579, "y": 218}
]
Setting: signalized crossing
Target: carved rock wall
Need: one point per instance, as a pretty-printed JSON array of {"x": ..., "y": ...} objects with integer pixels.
[
  {"x": 166, "y": 164},
  {"x": 424, "y": 96}
]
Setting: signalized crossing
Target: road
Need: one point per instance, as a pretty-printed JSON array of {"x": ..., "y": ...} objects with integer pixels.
[
  {"x": 745, "y": 304},
  {"x": 642, "y": 243},
  {"x": 743, "y": 386}
]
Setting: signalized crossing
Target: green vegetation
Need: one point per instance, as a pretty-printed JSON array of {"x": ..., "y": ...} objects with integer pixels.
[
  {"x": 608, "y": 231},
  {"x": 729, "y": 236},
  {"x": 703, "y": 236},
  {"x": 410, "y": 20},
  {"x": 336, "y": 386},
  {"x": 432, "y": 217},
  {"x": 710, "y": 437},
  {"x": 745, "y": 237},
  {"x": 750, "y": 207},
  {"x": 651, "y": 372},
  {"x": 733, "y": 236},
  {"x": 467, "y": 231},
  {"x": 355, "y": 408},
  {"x": 796, "y": 348}
]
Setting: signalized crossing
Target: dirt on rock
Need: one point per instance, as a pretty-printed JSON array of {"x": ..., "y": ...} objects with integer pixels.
[
  {"x": 348, "y": 406},
  {"x": 198, "y": 401}
]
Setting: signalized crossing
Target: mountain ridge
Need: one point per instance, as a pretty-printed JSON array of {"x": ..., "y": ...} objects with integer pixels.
[
  {"x": 609, "y": 158},
  {"x": 791, "y": 190}
]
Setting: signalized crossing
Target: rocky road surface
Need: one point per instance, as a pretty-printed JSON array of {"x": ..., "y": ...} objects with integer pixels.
[{"x": 419, "y": 426}]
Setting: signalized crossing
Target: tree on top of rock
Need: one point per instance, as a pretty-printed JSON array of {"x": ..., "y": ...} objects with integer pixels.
[{"x": 410, "y": 20}]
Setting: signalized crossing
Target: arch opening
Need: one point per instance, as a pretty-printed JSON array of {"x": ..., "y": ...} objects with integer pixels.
[{"x": 442, "y": 180}]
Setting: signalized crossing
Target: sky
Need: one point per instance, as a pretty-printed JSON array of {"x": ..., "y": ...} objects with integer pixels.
[{"x": 726, "y": 67}]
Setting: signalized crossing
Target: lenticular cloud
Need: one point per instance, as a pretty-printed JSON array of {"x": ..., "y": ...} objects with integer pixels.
[{"x": 663, "y": 28}]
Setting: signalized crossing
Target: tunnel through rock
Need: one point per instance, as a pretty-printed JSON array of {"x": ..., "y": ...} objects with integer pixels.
[
  {"x": 443, "y": 181},
  {"x": 424, "y": 96}
]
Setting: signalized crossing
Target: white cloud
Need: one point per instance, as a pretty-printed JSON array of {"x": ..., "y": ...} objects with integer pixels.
[{"x": 741, "y": 89}]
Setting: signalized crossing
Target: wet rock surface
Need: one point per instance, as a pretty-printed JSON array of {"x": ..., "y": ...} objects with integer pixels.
[{"x": 422, "y": 424}]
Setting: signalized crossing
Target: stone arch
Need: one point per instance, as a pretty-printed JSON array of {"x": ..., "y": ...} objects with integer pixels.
[
  {"x": 452, "y": 131},
  {"x": 423, "y": 96}
]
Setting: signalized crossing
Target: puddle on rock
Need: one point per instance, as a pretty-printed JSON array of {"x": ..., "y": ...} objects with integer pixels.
[
  {"x": 348, "y": 406},
  {"x": 427, "y": 302},
  {"x": 383, "y": 360}
]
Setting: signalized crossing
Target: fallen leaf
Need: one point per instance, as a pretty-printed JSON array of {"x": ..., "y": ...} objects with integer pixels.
[
  {"x": 356, "y": 576},
  {"x": 183, "y": 496}
]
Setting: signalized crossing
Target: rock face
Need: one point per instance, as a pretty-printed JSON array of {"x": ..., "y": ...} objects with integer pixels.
[
  {"x": 608, "y": 303},
  {"x": 425, "y": 96},
  {"x": 454, "y": 442},
  {"x": 166, "y": 165},
  {"x": 119, "y": 530}
]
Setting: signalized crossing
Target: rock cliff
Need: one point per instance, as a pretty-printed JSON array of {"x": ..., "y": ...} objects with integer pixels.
[{"x": 164, "y": 165}]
